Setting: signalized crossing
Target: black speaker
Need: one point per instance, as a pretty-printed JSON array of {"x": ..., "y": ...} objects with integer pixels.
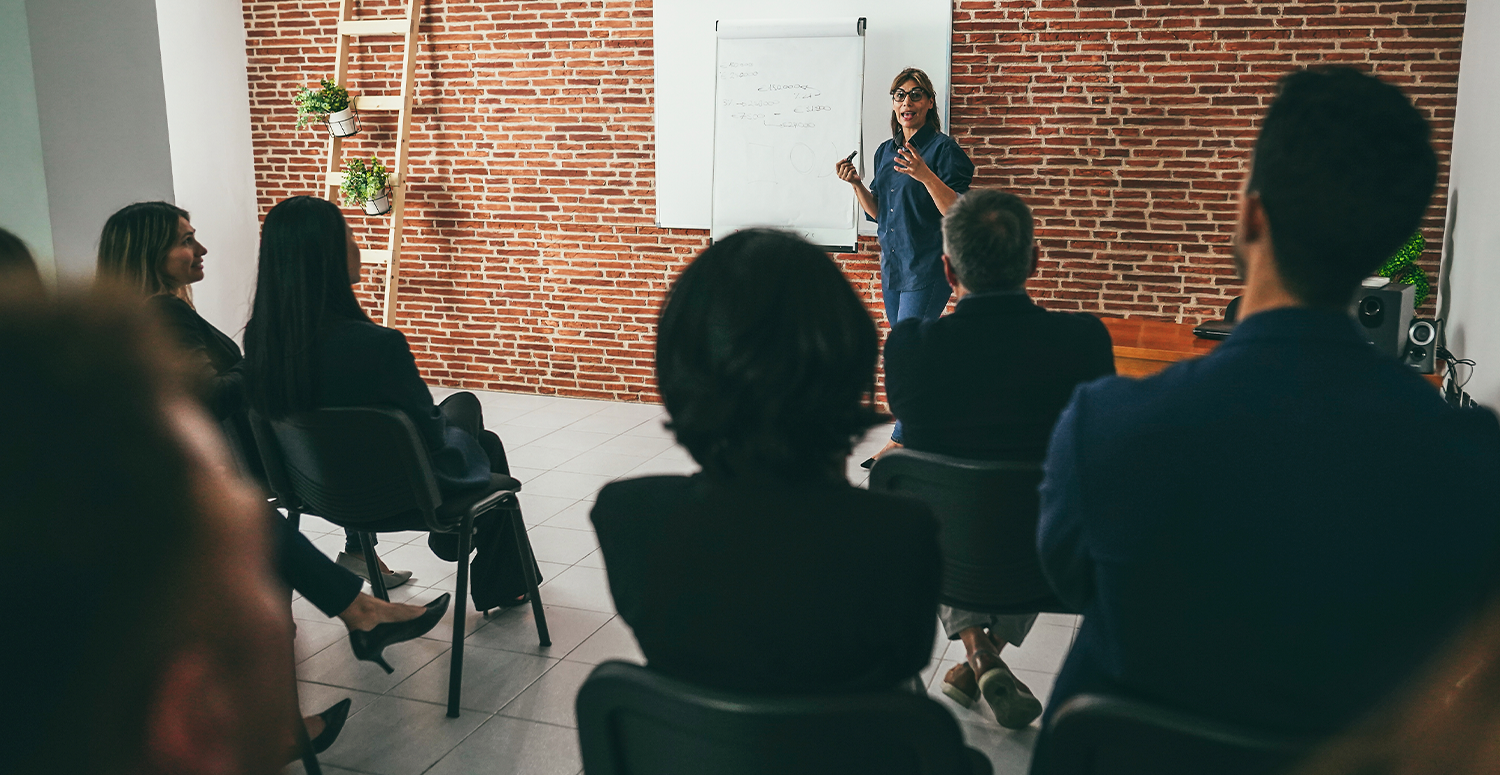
[
  {"x": 1423, "y": 338},
  {"x": 1384, "y": 312}
]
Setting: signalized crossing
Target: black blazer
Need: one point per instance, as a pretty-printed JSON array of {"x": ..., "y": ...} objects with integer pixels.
[
  {"x": 1276, "y": 534},
  {"x": 988, "y": 381},
  {"x": 362, "y": 364},
  {"x": 216, "y": 359},
  {"x": 759, "y": 586}
]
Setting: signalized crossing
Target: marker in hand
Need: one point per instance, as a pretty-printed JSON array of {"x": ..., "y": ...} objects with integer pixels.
[{"x": 850, "y": 157}]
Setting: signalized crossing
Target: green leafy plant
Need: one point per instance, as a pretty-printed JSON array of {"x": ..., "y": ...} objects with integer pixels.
[
  {"x": 316, "y": 104},
  {"x": 1402, "y": 267},
  {"x": 363, "y": 182}
]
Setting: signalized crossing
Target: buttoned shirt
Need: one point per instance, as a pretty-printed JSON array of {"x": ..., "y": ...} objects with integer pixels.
[{"x": 909, "y": 223}]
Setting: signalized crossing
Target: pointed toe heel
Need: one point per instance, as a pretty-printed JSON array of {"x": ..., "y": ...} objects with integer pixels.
[{"x": 368, "y": 644}]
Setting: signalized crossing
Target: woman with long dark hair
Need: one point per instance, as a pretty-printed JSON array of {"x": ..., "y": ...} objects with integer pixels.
[
  {"x": 765, "y": 358},
  {"x": 309, "y": 345}
]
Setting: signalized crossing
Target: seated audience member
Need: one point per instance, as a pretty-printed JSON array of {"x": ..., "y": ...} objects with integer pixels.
[
  {"x": 765, "y": 358},
  {"x": 310, "y": 346},
  {"x": 17, "y": 266},
  {"x": 152, "y": 248},
  {"x": 1279, "y": 533},
  {"x": 961, "y": 386},
  {"x": 185, "y": 669}
]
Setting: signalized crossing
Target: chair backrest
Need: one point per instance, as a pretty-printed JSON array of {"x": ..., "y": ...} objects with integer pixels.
[
  {"x": 349, "y": 465},
  {"x": 1100, "y": 735},
  {"x": 987, "y": 515},
  {"x": 632, "y": 721}
]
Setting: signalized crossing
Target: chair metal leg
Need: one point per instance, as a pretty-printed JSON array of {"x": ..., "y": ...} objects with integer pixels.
[
  {"x": 528, "y": 568},
  {"x": 309, "y": 759},
  {"x": 372, "y": 564},
  {"x": 460, "y": 606}
]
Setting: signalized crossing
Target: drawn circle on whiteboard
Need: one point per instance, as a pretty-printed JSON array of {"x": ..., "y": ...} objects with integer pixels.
[
  {"x": 802, "y": 158},
  {"x": 831, "y": 151}
]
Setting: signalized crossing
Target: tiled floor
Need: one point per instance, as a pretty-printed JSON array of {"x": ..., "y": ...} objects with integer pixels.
[{"x": 518, "y": 698}]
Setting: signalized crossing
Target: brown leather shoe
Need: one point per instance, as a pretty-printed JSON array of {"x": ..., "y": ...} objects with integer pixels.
[
  {"x": 1014, "y": 705},
  {"x": 960, "y": 685}
]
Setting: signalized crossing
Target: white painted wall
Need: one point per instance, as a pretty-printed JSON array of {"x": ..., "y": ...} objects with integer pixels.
[
  {"x": 1469, "y": 290},
  {"x": 208, "y": 118},
  {"x": 101, "y": 109},
  {"x": 23, "y": 179}
]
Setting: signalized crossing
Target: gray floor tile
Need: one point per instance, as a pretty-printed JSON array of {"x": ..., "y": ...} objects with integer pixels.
[
  {"x": 669, "y": 465},
  {"x": 564, "y": 484},
  {"x": 546, "y": 418},
  {"x": 491, "y": 678},
  {"x": 574, "y": 517},
  {"x": 315, "y": 698},
  {"x": 580, "y": 587},
  {"x": 1009, "y": 751},
  {"x": 551, "y": 698},
  {"x": 395, "y": 736},
  {"x": 638, "y": 412},
  {"x": 515, "y": 629},
  {"x": 313, "y": 637},
  {"x": 473, "y": 621},
  {"x": 601, "y": 423},
  {"x": 515, "y": 747},
  {"x": 573, "y": 441},
  {"x": 560, "y": 545},
  {"x": 539, "y": 508},
  {"x": 612, "y": 641},
  {"x": 338, "y": 667},
  {"x": 312, "y": 524},
  {"x": 534, "y": 455},
  {"x": 427, "y": 569},
  {"x": 594, "y": 560},
  {"x": 654, "y": 428},
  {"x": 637, "y": 446},
  {"x": 517, "y": 436},
  {"x": 602, "y": 463},
  {"x": 1044, "y": 650}
]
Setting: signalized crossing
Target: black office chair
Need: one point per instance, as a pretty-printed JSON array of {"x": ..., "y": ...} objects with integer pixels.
[
  {"x": 1099, "y": 735},
  {"x": 987, "y": 515},
  {"x": 632, "y": 721},
  {"x": 366, "y": 469}
]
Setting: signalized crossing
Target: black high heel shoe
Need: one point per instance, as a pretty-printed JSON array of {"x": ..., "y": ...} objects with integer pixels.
[
  {"x": 367, "y": 645},
  {"x": 333, "y": 724}
]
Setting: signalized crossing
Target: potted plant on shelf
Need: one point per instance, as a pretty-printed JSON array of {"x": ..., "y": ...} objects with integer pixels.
[
  {"x": 368, "y": 185},
  {"x": 330, "y": 104}
]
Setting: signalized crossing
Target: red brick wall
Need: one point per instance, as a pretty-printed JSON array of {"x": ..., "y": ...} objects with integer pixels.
[{"x": 531, "y": 262}]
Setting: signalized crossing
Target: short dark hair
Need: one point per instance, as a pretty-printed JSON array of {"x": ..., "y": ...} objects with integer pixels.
[
  {"x": 134, "y": 244},
  {"x": 765, "y": 358},
  {"x": 1345, "y": 169},
  {"x": 16, "y": 261},
  {"x": 97, "y": 489},
  {"x": 987, "y": 235},
  {"x": 302, "y": 280}
]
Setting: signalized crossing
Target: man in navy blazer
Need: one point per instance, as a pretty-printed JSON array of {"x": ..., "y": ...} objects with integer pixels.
[
  {"x": 987, "y": 382},
  {"x": 1279, "y": 533}
]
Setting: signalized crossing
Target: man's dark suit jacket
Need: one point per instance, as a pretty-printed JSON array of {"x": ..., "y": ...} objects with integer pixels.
[
  {"x": 362, "y": 364},
  {"x": 988, "y": 381},
  {"x": 1276, "y": 534},
  {"x": 767, "y": 587}
]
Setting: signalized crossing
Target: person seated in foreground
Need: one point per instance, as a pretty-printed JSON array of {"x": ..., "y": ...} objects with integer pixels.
[
  {"x": 309, "y": 346},
  {"x": 187, "y": 668},
  {"x": 1279, "y": 533},
  {"x": 153, "y": 249},
  {"x": 17, "y": 266},
  {"x": 733, "y": 577},
  {"x": 988, "y": 382}
]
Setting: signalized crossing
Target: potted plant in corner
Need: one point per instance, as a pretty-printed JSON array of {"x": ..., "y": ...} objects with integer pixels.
[
  {"x": 368, "y": 185},
  {"x": 330, "y": 104}
]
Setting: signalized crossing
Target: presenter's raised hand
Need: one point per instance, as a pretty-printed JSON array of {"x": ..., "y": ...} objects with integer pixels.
[
  {"x": 909, "y": 162},
  {"x": 846, "y": 171}
]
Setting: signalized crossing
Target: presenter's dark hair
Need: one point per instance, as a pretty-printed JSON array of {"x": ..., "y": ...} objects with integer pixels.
[
  {"x": 765, "y": 358},
  {"x": 1345, "y": 169},
  {"x": 914, "y": 74},
  {"x": 987, "y": 235},
  {"x": 86, "y": 389},
  {"x": 134, "y": 246},
  {"x": 303, "y": 280}
]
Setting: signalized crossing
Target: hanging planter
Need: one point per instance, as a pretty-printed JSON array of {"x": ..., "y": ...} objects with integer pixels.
[
  {"x": 368, "y": 185},
  {"x": 330, "y": 104}
]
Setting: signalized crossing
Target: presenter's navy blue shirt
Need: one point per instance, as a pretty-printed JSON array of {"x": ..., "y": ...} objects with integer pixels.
[{"x": 909, "y": 223}]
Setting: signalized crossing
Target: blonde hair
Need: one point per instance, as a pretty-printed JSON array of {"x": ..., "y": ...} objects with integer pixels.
[
  {"x": 914, "y": 74},
  {"x": 134, "y": 245}
]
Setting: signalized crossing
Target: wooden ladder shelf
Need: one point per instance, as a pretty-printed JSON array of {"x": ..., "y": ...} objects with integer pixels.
[{"x": 348, "y": 29}]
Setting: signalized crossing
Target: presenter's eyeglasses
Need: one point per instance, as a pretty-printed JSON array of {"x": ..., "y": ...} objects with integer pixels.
[{"x": 915, "y": 95}]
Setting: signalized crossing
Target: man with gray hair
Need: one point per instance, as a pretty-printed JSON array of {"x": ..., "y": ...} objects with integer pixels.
[{"x": 988, "y": 382}]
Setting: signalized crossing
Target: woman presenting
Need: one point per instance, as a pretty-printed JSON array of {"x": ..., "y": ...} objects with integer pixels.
[{"x": 919, "y": 173}]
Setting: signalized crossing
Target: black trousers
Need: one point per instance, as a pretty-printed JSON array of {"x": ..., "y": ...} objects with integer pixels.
[{"x": 325, "y": 583}]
